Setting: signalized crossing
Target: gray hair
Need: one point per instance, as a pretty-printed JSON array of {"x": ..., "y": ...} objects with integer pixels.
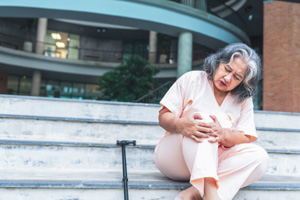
[{"x": 246, "y": 88}]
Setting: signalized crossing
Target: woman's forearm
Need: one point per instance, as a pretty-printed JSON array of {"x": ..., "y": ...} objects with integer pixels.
[
  {"x": 187, "y": 126},
  {"x": 169, "y": 121},
  {"x": 232, "y": 138}
]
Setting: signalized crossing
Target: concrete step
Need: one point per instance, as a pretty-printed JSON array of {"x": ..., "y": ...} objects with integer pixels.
[
  {"x": 51, "y": 155},
  {"x": 108, "y": 131},
  {"x": 283, "y": 120},
  {"x": 278, "y": 137},
  {"x": 68, "y": 155},
  {"x": 40, "y": 106},
  {"x": 70, "y": 108},
  {"x": 78, "y": 129},
  {"x": 82, "y": 185}
]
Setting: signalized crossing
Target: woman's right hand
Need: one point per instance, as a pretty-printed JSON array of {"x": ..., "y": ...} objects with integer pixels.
[
  {"x": 189, "y": 126},
  {"x": 194, "y": 128}
]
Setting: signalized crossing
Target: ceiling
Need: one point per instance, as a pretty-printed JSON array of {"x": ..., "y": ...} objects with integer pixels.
[{"x": 246, "y": 14}]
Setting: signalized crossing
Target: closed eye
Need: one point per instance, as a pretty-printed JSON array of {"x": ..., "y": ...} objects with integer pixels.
[
  {"x": 237, "y": 78},
  {"x": 227, "y": 68}
]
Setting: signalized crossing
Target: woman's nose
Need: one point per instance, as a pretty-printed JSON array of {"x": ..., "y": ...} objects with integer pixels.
[{"x": 228, "y": 77}]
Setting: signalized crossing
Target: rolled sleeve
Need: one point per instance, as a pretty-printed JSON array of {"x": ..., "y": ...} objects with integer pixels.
[
  {"x": 173, "y": 98},
  {"x": 246, "y": 120},
  {"x": 176, "y": 97}
]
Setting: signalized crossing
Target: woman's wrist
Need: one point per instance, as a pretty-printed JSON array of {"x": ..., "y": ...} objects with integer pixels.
[
  {"x": 178, "y": 125},
  {"x": 226, "y": 139},
  {"x": 234, "y": 137}
]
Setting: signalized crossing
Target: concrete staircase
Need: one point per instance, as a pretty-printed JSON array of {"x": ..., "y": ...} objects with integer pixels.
[{"x": 55, "y": 149}]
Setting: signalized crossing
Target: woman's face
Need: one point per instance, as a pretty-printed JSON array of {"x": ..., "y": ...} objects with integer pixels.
[{"x": 228, "y": 76}]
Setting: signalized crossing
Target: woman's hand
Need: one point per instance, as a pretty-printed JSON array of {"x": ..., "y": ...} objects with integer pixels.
[
  {"x": 219, "y": 132},
  {"x": 189, "y": 126},
  {"x": 192, "y": 127},
  {"x": 226, "y": 137}
]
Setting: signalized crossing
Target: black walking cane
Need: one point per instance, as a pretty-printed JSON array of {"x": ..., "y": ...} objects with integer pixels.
[{"x": 123, "y": 144}]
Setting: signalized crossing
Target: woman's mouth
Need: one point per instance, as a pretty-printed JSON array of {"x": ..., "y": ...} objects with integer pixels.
[{"x": 223, "y": 83}]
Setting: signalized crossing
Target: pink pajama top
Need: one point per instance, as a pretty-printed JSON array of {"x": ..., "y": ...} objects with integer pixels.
[{"x": 193, "y": 92}]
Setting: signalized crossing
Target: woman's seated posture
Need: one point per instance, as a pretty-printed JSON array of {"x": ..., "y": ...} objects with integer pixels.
[{"x": 209, "y": 122}]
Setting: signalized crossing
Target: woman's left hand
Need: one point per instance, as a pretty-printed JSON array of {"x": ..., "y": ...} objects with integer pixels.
[{"x": 219, "y": 133}]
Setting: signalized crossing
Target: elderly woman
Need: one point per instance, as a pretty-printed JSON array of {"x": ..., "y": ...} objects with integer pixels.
[{"x": 209, "y": 122}]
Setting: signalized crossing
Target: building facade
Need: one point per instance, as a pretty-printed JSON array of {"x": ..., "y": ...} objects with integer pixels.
[{"x": 60, "y": 50}]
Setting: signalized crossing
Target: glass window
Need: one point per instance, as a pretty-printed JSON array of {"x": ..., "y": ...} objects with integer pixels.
[
  {"x": 62, "y": 50},
  {"x": 43, "y": 88},
  {"x": 52, "y": 89},
  {"x": 91, "y": 91},
  {"x": 65, "y": 90},
  {"x": 78, "y": 91},
  {"x": 25, "y": 86},
  {"x": 135, "y": 47},
  {"x": 73, "y": 46},
  {"x": 127, "y": 49},
  {"x": 50, "y": 47},
  {"x": 141, "y": 49},
  {"x": 12, "y": 85}
]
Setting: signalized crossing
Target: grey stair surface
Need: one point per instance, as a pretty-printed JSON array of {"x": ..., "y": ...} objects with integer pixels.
[
  {"x": 66, "y": 150},
  {"x": 41, "y": 106},
  {"x": 107, "y": 131},
  {"x": 142, "y": 185},
  {"x": 51, "y": 155},
  {"x": 78, "y": 129}
]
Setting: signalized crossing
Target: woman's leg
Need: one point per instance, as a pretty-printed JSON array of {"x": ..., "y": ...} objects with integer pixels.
[
  {"x": 237, "y": 167},
  {"x": 202, "y": 162},
  {"x": 240, "y": 166},
  {"x": 189, "y": 194},
  {"x": 169, "y": 159}
]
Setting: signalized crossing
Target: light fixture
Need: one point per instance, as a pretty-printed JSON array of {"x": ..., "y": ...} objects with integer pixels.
[
  {"x": 56, "y": 36},
  {"x": 250, "y": 17},
  {"x": 99, "y": 30},
  {"x": 60, "y": 44}
]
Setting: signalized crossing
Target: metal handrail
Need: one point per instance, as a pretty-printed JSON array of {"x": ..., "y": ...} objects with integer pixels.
[
  {"x": 155, "y": 95},
  {"x": 9, "y": 44}
]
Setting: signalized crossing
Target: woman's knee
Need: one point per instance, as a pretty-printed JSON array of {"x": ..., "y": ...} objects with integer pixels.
[
  {"x": 260, "y": 157},
  {"x": 263, "y": 159}
]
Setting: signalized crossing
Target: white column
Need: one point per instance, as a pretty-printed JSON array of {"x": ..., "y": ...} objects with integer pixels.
[
  {"x": 152, "y": 47},
  {"x": 185, "y": 49},
  {"x": 41, "y": 35},
  {"x": 36, "y": 83}
]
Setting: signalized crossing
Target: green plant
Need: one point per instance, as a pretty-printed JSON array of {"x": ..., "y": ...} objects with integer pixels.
[{"x": 129, "y": 81}]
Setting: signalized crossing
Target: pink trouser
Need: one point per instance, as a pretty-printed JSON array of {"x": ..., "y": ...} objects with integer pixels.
[{"x": 182, "y": 159}]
